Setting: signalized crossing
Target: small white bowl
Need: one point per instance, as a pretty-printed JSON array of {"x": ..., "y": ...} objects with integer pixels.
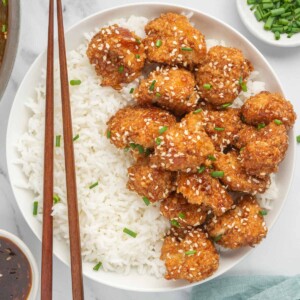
[
  {"x": 257, "y": 28},
  {"x": 31, "y": 259}
]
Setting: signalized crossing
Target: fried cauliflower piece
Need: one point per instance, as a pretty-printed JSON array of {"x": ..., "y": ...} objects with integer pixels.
[
  {"x": 203, "y": 189},
  {"x": 118, "y": 55},
  {"x": 266, "y": 107},
  {"x": 221, "y": 126},
  {"x": 172, "y": 40},
  {"x": 172, "y": 89},
  {"x": 235, "y": 177},
  {"x": 182, "y": 148},
  {"x": 194, "y": 258},
  {"x": 179, "y": 211},
  {"x": 242, "y": 226},
  {"x": 219, "y": 77},
  {"x": 152, "y": 183},
  {"x": 137, "y": 126}
]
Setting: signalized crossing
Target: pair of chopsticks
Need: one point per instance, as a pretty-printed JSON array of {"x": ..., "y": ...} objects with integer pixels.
[{"x": 74, "y": 232}]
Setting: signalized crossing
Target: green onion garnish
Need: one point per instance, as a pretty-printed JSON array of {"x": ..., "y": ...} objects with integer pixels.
[
  {"x": 158, "y": 141},
  {"x": 131, "y": 91},
  {"x": 4, "y": 2},
  {"x": 75, "y": 82},
  {"x": 211, "y": 157},
  {"x": 261, "y": 125},
  {"x": 35, "y": 208},
  {"x": 57, "y": 140},
  {"x": 181, "y": 215},
  {"x": 226, "y": 105},
  {"x": 137, "y": 56},
  {"x": 146, "y": 200},
  {"x": 217, "y": 174},
  {"x": 191, "y": 252},
  {"x": 201, "y": 169},
  {"x": 126, "y": 149},
  {"x": 93, "y": 185},
  {"x": 207, "y": 86},
  {"x": 108, "y": 134},
  {"x": 263, "y": 212},
  {"x": 121, "y": 69},
  {"x": 148, "y": 152},
  {"x": 277, "y": 122},
  {"x": 219, "y": 128},
  {"x": 158, "y": 95},
  {"x": 158, "y": 43},
  {"x": 138, "y": 41},
  {"x": 76, "y": 137},
  {"x": 197, "y": 111},
  {"x": 174, "y": 223},
  {"x": 186, "y": 49},
  {"x": 4, "y": 28},
  {"x": 140, "y": 148},
  {"x": 218, "y": 237},
  {"x": 129, "y": 232},
  {"x": 298, "y": 139},
  {"x": 151, "y": 88},
  {"x": 132, "y": 145},
  {"x": 97, "y": 266},
  {"x": 56, "y": 198},
  {"x": 243, "y": 84},
  {"x": 163, "y": 129}
]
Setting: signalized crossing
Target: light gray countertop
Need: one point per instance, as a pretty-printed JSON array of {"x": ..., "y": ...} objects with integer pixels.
[{"x": 278, "y": 254}]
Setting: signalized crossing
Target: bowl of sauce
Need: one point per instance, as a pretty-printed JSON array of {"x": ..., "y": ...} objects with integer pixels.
[{"x": 18, "y": 269}]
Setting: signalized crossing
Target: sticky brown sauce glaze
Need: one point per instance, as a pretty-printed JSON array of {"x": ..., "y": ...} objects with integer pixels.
[{"x": 15, "y": 272}]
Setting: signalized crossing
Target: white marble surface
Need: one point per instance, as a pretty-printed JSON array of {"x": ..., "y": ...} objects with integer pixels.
[{"x": 278, "y": 254}]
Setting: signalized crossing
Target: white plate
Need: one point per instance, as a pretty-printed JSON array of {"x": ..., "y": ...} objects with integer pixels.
[
  {"x": 257, "y": 28},
  {"x": 19, "y": 116}
]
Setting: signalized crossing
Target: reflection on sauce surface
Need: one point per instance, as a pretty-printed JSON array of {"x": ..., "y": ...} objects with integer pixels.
[{"x": 15, "y": 272}]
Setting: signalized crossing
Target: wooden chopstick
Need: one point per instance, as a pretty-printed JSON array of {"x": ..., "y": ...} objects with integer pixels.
[
  {"x": 47, "y": 240},
  {"x": 74, "y": 232}
]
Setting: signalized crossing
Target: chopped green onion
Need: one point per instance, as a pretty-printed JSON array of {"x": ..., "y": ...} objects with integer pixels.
[
  {"x": 75, "y": 82},
  {"x": 217, "y": 238},
  {"x": 186, "y": 49},
  {"x": 93, "y": 185},
  {"x": 207, "y": 86},
  {"x": 197, "y": 111},
  {"x": 163, "y": 129},
  {"x": 132, "y": 145},
  {"x": 148, "y": 152},
  {"x": 56, "y": 198},
  {"x": 4, "y": 28},
  {"x": 131, "y": 91},
  {"x": 158, "y": 141},
  {"x": 263, "y": 212},
  {"x": 219, "y": 129},
  {"x": 211, "y": 157},
  {"x": 4, "y": 2},
  {"x": 151, "y": 88},
  {"x": 121, "y": 69},
  {"x": 126, "y": 149},
  {"x": 97, "y": 266},
  {"x": 244, "y": 87},
  {"x": 217, "y": 174},
  {"x": 76, "y": 137},
  {"x": 57, "y": 140},
  {"x": 201, "y": 169},
  {"x": 146, "y": 200},
  {"x": 140, "y": 148},
  {"x": 158, "y": 43},
  {"x": 277, "y": 122},
  {"x": 137, "y": 56},
  {"x": 138, "y": 41},
  {"x": 277, "y": 11},
  {"x": 261, "y": 125},
  {"x": 158, "y": 95},
  {"x": 277, "y": 35},
  {"x": 269, "y": 23},
  {"x": 35, "y": 208},
  {"x": 240, "y": 80},
  {"x": 130, "y": 232},
  {"x": 181, "y": 215},
  {"x": 175, "y": 223},
  {"x": 298, "y": 139},
  {"x": 191, "y": 252},
  {"x": 226, "y": 105}
]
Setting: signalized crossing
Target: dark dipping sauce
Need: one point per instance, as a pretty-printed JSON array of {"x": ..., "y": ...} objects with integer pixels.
[{"x": 15, "y": 272}]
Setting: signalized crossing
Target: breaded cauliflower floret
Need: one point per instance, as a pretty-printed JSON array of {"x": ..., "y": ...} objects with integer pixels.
[
  {"x": 177, "y": 209},
  {"x": 193, "y": 258},
  {"x": 118, "y": 55},
  {"x": 242, "y": 226},
  {"x": 235, "y": 177},
  {"x": 152, "y": 183},
  {"x": 266, "y": 107},
  {"x": 172, "y": 40},
  {"x": 203, "y": 189},
  {"x": 132, "y": 126},
  {"x": 221, "y": 77},
  {"x": 172, "y": 89},
  {"x": 182, "y": 148}
]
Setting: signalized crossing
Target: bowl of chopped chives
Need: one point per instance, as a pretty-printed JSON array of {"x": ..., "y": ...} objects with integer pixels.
[{"x": 276, "y": 22}]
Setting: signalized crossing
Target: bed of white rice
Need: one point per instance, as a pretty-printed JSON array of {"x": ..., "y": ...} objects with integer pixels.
[{"x": 109, "y": 207}]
